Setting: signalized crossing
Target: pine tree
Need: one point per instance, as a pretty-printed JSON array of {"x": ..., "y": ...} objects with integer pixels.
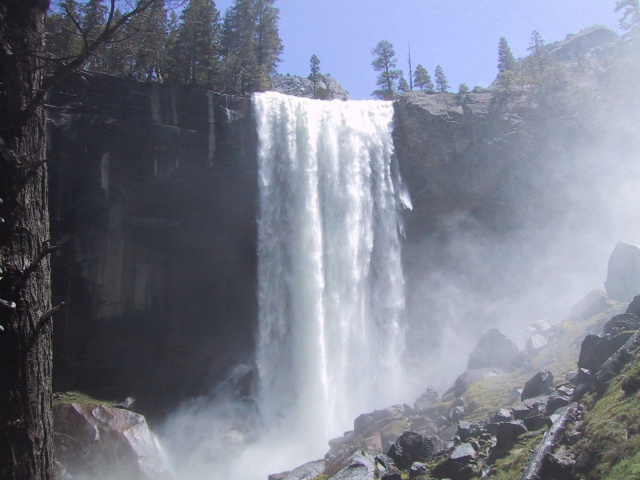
[
  {"x": 403, "y": 85},
  {"x": 422, "y": 79},
  {"x": 251, "y": 45},
  {"x": 538, "y": 53},
  {"x": 385, "y": 62},
  {"x": 63, "y": 39},
  {"x": 441, "y": 80},
  {"x": 314, "y": 76},
  {"x": 506, "y": 60},
  {"x": 149, "y": 34},
  {"x": 630, "y": 14},
  {"x": 195, "y": 51},
  {"x": 410, "y": 67},
  {"x": 93, "y": 15},
  {"x": 268, "y": 44}
]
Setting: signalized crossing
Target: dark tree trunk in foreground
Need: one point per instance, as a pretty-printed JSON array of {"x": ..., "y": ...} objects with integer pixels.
[{"x": 26, "y": 426}]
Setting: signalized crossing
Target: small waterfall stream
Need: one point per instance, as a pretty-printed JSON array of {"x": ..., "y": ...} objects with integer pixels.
[{"x": 330, "y": 283}]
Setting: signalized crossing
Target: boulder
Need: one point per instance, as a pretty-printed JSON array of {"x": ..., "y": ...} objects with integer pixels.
[
  {"x": 621, "y": 323},
  {"x": 308, "y": 471},
  {"x": 593, "y": 303},
  {"x": 596, "y": 349},
  {"x": 494, "y": 349},
  {"x": 417, "y": 468},
  {"x": 467, "y": 430},
  {"x": 368, "y": 422},
  {"x": 96, "y": 440},
  {"x": 623, "y": 274},
  {"x": 456, "y": 413},
  {"x": 540, "y": 384},
  {"x": 387, "y": 468},
  {"x": 508, "y": 432},
  {"x": 361, "y": 466},
  {"x": 535, "y": 343},
  {"x": 460, "y": 465},
  {"x": 426, "y": 400},
  {"x": 410, "y": 447},
  {"x": 539, "y": 326},
  {"x": 634, "y": 306}
]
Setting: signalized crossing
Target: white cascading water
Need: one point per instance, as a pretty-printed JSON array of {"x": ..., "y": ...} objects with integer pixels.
[{"x": 330, "y": 283}]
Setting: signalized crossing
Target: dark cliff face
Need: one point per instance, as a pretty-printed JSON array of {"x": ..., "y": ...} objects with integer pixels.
[{"x": 153, "y": 198}]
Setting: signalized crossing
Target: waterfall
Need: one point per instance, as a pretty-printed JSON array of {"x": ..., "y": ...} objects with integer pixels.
[{"x": 330, "y": 283}]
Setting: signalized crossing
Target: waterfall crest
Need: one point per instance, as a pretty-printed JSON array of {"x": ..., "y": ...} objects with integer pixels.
[{"x": 330, "y": 283}]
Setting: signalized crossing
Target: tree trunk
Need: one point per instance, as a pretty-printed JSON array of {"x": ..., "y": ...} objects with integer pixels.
[{"x": 26, "y": 426}]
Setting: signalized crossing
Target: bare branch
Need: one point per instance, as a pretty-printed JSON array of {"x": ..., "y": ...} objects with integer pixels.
[
  {"x": 105, "y": 36},
  {"x": 50, "y": 313}
]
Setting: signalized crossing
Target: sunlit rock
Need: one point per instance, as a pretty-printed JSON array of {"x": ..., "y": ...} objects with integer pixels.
[{"x": 104, "y": 442}]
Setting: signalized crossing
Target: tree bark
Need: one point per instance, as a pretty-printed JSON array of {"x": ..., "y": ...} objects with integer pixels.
[{"x": 26, "y": 425}]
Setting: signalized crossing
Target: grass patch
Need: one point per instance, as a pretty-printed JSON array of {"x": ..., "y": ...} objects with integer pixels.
[
  {"x": 65, "y": 398},
  {"x": 611, "y": 444},
  {"x": 511, "y": 466}
]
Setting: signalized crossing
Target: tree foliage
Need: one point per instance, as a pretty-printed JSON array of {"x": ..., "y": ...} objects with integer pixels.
[
  {"x": 422, "y": 79},
  {"x": 237, "y": 54},
  {"x": 389, "y": 76},
  {"x": 630, "y": 19},
  {"x": 194, "y": 54},
  {"x": 251, "y": 45},
  {"x": 314, "y": 76},
  {"x": 506, "y": 60},
  {"x": 441, "y": 80}
]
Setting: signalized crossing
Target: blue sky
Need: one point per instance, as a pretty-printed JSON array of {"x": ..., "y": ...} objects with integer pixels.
[{"x": 460, "y": 35}]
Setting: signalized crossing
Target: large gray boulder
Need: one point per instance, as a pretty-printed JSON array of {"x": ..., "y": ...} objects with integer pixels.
[
  {"x": 623, "y": 275},
  {"x": 540, "y": 384},
  {"x": 494, "y": 349},
  {"x": 99, "y": 441}
]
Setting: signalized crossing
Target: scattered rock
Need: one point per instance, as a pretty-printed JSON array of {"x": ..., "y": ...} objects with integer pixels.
[
  {"x": 417, "y": 468},
  {"x": 460, "y": 464},
  {"x": 409, "y": 447},
  {"x": 471, "y": 376},
  {"x": 308, "y": 471},
  {"x": 368, "y": 422},
  {"x": 426, "y": 400},
  {"x": 495, "y": 350},
  {"x": 508, "y": 432},
  {"x": 456, "y": 414},
  {"x": 595, "y": 302},
  {"x": 559, "y": 464},
  {"x": 621, "y": 323},
  {"x": 387, "y": 468},
  {"x": 540, "y": 384},
  {"x": 360, "y": 467},
  {"x": 634, "y": 306},
  {"x": 538, "y": 326},
  {"x": 536, "y": 342},
  {"x": 502, "y": 415}
]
